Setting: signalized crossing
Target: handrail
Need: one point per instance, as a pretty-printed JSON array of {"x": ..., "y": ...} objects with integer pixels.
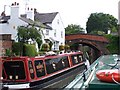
[
  {"x": 72, "y": 84},
  {"x": 90, "y": 76}
]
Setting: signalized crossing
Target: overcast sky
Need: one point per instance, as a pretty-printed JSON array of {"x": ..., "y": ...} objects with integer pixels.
[{"x": 71, "y": 11}]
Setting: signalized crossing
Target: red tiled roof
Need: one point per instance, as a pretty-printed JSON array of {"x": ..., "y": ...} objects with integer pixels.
[{"x": 86, "y": 36}]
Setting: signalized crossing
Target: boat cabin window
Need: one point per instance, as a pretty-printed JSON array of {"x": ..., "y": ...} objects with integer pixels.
[
  {"x": 56, "y": 64},
  {"x": 31, "y": 70},
  {"x": 80, "y": 59},
  {"x": 64, "y": 62},
  {"x": 76, "y": 59},
  {"x": 50, "y": 65},
  {"x": 39, "y": 66},
  {"x": 14, "y": 69}
]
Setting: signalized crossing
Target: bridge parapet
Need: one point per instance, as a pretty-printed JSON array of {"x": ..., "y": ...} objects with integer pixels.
[{"x": 86, "y": 37}]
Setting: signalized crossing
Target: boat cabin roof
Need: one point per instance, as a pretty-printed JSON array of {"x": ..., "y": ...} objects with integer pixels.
[
  {"x": 92, "y": 82},
  {"x": 39, "y": 57}
]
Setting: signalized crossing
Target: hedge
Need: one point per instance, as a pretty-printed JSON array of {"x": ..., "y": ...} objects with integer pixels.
[
  {"x": 17, "y": 48},
  {"x": 30, "y": 50},
  {"x": 23, "y": 49}
]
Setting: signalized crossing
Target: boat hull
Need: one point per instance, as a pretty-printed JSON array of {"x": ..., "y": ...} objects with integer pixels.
[{"x": 58, "y": 81}]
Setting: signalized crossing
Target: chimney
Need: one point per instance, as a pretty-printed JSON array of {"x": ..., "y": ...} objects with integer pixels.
[
  {"x": 30, "y": 13},
  {"x": 14, "y": 10}
]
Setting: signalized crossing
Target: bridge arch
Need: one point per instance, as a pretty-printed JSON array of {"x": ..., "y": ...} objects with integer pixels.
[{"x": 96, "y": 42}]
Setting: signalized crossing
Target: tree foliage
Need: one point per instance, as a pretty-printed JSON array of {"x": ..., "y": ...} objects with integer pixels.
[
  {"x": 113, "y": 46},
  {"x": 26, "y": 33},
  {"x": 73, "y": 29},
  {"x": 101, "y": 22}
]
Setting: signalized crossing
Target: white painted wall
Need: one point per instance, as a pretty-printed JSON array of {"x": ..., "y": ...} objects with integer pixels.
[
  {"x": 11, "y": 27},
  {"x": 57, "y": 25}
]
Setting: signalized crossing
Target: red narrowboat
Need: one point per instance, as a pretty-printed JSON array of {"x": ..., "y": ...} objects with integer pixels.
[{"x": 53, "y": 71}]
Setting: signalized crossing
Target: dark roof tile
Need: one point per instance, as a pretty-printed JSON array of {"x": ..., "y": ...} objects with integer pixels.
[
  {"x": 45, "y": 17},
  {"x": 4, "y": 19}
]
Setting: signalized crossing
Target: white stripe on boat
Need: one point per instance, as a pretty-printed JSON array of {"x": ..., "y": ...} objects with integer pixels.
[{"x": 18, "y": 86}]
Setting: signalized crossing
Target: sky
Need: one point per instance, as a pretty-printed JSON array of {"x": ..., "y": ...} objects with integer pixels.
[{"x": 71, "y": 11}]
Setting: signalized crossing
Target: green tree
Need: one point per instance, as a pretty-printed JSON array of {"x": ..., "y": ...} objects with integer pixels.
[
  {"x": 26, "y": 33},
  {"x": 113, "y": 46},
  {"x": 73, "y": 29},
  {"x": 101, "y": 23}
]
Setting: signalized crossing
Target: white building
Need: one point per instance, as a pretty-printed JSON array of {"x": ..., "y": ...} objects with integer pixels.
[{"x": 53, "y": 29}]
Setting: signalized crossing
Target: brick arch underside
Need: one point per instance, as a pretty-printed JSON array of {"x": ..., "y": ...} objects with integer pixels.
[
  {"x": 92, "y": 45},
  {"x": 97, "y": 51}
]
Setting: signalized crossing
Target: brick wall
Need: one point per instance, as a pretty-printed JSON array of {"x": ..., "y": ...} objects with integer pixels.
[
  {"x": 87, "y": 36},
  {"x": 5, "y": 43}
]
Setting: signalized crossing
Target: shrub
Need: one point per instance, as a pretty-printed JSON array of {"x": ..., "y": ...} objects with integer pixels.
[
  {"x": 30, "y": 50},
  {"x": 8, "y": 52},
  {"x": 67, "y": 47},
  {"x": 17, "y": 48},
  {"x": 45, "y": 47},
  {"x": 61, "y": 47}
]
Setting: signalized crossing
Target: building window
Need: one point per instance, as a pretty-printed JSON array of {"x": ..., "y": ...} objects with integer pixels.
[
  {"x": 47, "y": 32},
  {"x": 58, "y": 21},
  {"x": 61, "y": 34},
  {"x": 14, "y": 27},
  {"x": 55, "y": 33}
]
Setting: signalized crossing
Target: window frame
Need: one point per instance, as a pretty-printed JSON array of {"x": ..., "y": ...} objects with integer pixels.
[
  {"x": 39, "y": 68},
  {"x": 74, "y": 62},
  {"x": 8, "y": 76},
  {"x": 55, "y": 64},
  {"x": 31, "y": 69}
]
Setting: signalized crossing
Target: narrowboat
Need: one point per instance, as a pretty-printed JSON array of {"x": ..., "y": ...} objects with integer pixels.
[
  {"x": 103, "y": 74},
  {"x": 34, "y": 73}
]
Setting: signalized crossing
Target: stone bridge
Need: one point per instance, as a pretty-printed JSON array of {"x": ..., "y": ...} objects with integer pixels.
[{"x": 97, "y": 42}]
